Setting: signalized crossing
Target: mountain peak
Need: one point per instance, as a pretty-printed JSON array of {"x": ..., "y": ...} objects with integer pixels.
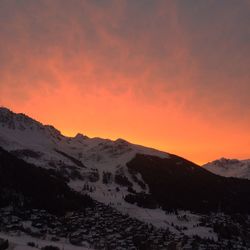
[
  {"x": 20, "y": 121},
  {"x": 225, "y": 161},
  {"x": 230, "y": 167},
  {"x": 80, "y": 136},
  {"x": 16, "y": 120},
  {"x": 121, "y": 141},
  {"x": 5, "y": 110}
]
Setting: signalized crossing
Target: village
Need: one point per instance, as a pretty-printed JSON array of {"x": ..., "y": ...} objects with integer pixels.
[{"x": 101, "y": 227}]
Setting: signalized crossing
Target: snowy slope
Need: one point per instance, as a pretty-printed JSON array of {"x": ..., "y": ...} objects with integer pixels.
[
  {"x": 230, "y": 168},
  {"x": 91, "y": 158},
  {"x": 84, "y": 160},
  {"x": 18, "y": 131}
]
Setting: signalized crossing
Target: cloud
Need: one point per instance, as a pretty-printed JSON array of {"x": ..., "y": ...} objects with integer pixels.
[
  {"x": 92, "y": 43},
  {"x": 119, "y": 45},
  {"x": 192, "y": 55}
]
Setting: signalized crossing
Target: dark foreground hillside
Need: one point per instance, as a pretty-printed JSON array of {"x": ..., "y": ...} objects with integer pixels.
[
  {"x": 23, "y": 184},
  {"x": 177, "y": 183}
]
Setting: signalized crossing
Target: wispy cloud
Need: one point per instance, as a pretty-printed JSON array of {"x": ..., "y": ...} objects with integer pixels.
[{"x": 192, "y": 55}]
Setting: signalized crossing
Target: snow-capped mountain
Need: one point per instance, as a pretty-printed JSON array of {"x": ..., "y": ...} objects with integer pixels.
[
  {"x": 117, "y": 173},
  {"x": 40, "y": 167},
  {"x": 19, "y": 132},
  {"x": 230, "y": 168},
  {"x": 84, "y": 161}
]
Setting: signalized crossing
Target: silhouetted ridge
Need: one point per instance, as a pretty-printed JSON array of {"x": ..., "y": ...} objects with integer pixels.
[
  {"x": 177, "y": 183},
  {"x": 22, "y": 122}
]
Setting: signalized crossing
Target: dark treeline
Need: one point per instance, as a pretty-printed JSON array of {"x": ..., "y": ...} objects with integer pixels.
[{"x": 23, "y": 184}]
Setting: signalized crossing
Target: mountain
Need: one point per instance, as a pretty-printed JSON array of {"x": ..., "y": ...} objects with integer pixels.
[
  {"x": 86, "y": 163},
  {"x": 93, "y": 166},
  {"x": 104, "y": 194},
  {"x": 176, "y": 183},
  {"x": 230, "y": 168},
  {"x": 121, "y": 174}
]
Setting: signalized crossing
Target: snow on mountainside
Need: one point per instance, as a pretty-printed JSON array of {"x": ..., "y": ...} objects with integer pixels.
[
  {"x": 116, "y": 172},
  {"x": 18, "y": 132},
  {"x": 93, "y": 165},
  {"x": 230, "y": 168}
]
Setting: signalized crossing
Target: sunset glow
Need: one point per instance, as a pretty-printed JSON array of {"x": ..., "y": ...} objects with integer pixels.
[{"x": 172, "y": 75}]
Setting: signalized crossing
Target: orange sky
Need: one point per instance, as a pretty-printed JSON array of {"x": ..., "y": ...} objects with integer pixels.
[{"x": 162, "y": 74}]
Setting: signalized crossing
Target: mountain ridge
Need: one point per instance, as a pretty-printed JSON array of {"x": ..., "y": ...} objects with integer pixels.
[{"x": 118, "y": 173}]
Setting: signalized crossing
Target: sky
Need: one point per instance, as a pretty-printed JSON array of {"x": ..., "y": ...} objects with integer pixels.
[{"x": 173, "y": 75}]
